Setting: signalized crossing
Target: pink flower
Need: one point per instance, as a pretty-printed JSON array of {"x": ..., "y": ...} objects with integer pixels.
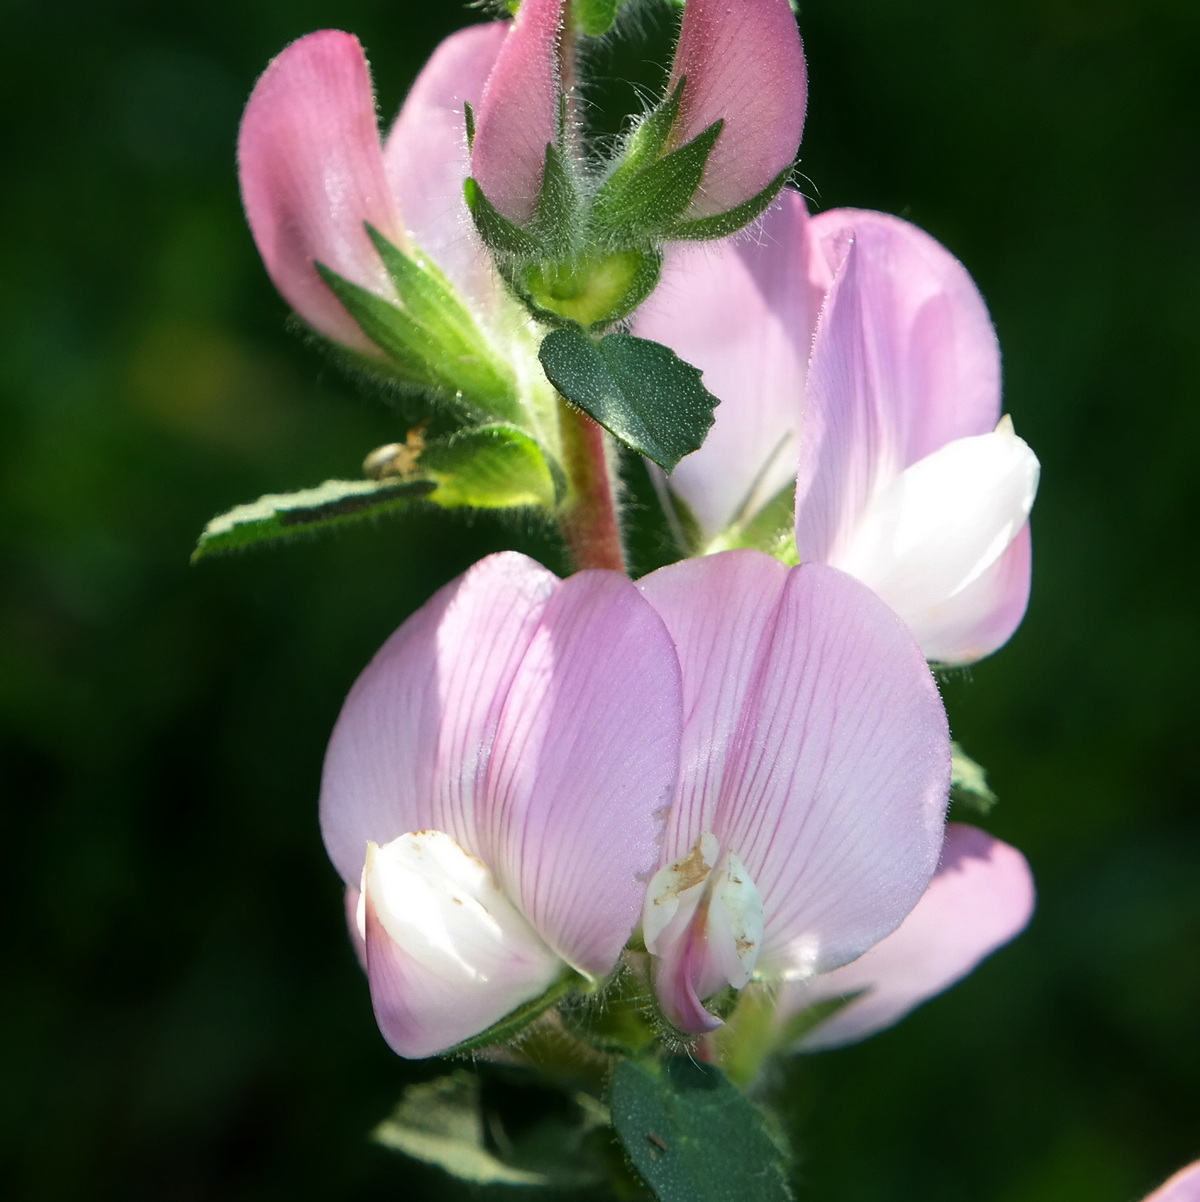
[
  {"x": 906, "y": 476},
  {"x": 495, "y": 785},
  {"x": 980, "y": 897},
  {"x": 815, "y": 770}
]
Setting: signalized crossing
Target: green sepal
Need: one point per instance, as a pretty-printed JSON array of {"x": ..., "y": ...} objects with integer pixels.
[
  {"x": 490, "y": 467},
  {"x": 644, "y": 146},
  {"x": 509, "y": 1027},
  {"x": 285, "y": 515},
  {"x": 436, "y": 360},
  {"x": 503, "y": 236},
  {"x": 619, "y": 1019},
  {"x": 968, "y": 783},
  {"x": 648, "y": 204},
  {"x": 693, "y": 1136},
  {"x": 721, "y": 225},
  {"x": 592, "y": 294},
  {"x": 640, "y": 391},
  {"x": 454, "y": 344},
  {"x": 556, "y": 221}
]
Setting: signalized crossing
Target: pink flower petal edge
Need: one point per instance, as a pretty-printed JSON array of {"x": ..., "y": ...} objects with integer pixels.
[
  {"x": 519, "y": 113},
  {"x": 815, "y": 750},
  {"x": 981, "y": 897},
  {"x": 312, "y": 173},
  {"x": 1184, "y": 1186}
]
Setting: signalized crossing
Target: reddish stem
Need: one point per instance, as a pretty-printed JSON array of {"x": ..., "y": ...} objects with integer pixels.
[{"x": 589, "y": 521}]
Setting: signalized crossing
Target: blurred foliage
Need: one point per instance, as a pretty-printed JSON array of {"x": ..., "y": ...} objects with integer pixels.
[{"x": 181, "y": 1015}]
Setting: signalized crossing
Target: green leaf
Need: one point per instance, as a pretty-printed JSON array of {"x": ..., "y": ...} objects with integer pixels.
[
  {"x": 640, "y": 391},
  {"x": 440, "y": 1122},
  {"x": 492, "y": 467},
  {"x": 596, "y": 16},
  {"x": 721, "y": 225},
  {"x": 693, "y": 1137},
  {"x": 650, "y": 202},
  {"x": 502, "y": 235},
  {"x": 968, "y": 782},
  {"x": 285, "y": 515}
]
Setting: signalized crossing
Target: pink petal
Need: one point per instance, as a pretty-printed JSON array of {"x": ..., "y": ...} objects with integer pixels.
[
  {"x": 586, "y": 756},
  {"x": 981, "y": 897},
  {"x": 815, "y": 748},
  {"x": 427, "y": 159},
  {"x": 519, "y": 113},
  {"x": 410, "y": 746},
  {"x": 932, "y": 342},
  {"x": 1183, "y": 1187},
  {"x": 744, "y": 64},
  {"x": 904, "y": 360},
  {"x": 312, "y": 173},
  {"x": 721, "y": 306}
]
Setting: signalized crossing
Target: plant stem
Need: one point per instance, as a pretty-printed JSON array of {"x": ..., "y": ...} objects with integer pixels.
[{"x": 589, "y": 519}]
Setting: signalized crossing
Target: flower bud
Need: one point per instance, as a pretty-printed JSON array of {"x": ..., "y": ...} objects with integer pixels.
[{"x": 741, "y": 64}]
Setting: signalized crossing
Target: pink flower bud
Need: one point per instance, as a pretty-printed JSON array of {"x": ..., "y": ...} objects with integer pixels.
[
  {"x": 519, "y": 113},
  {"x": 744, "y": 65}
]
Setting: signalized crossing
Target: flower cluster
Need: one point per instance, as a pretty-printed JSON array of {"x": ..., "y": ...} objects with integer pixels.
[{"x": 729, "y": 778}]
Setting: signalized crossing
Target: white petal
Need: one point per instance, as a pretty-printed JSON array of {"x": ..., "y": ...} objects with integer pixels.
[
  {"x": 448, "y": 955},
  {"x": 735, "y": 922},
  {"x": 941, "y": 523},
  {"x": 675, "y": 892}
]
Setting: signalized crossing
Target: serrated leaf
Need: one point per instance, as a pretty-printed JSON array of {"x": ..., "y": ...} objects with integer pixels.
[
  {"x": 650, "y": 202},
  {"x": 968, "y": 782},
  {"x": 693, "y": 1136},
  {"x": 439, "y": 1122},
  {"x": 721, "y": 225},
  {"x": 491, "y": 467},
  {"x": 285, "y": 515},
  {"x": 640, "y": 391}
]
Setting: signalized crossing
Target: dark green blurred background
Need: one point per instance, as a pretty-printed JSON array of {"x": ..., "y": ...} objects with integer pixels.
[{"x": 181, "y": 1016}]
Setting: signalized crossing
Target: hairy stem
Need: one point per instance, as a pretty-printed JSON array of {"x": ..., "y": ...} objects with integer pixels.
[{"x": 589, "y": 517}]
